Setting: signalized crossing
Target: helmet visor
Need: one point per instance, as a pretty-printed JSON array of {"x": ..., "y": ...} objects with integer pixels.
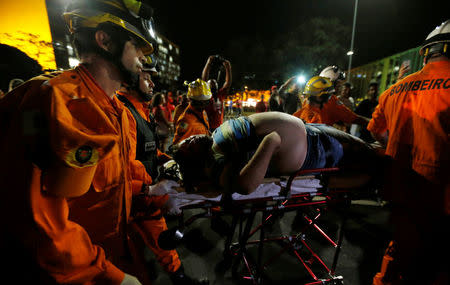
[{"x": 138, "y": 27}]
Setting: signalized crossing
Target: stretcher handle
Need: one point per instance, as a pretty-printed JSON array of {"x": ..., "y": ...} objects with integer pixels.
[{"x": 305, "y": 171}]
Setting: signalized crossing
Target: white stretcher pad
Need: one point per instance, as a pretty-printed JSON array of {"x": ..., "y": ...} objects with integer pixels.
[{"x": 269, "y": 188}]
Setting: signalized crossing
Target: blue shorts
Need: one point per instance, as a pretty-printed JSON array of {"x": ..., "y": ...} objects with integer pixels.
[{"x": 323, "y": 151}]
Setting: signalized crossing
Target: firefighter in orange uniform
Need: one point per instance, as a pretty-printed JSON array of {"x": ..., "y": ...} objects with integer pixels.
[
  {"x": 324, "y": 107},
  {"x": 413, "y": 117},
  {"x": 148, "y": 220},
  {"x": 65, "y": 156},
  {"x": 194, "y": 120}
]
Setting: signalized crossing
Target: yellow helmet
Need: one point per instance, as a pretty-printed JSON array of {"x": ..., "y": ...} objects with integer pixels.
[
  {"x": 150, "y": 65},
  {"x": 131, "y": 15},
  {"x": 198, "y": 90},
  {"x": 318, "y": 86}
]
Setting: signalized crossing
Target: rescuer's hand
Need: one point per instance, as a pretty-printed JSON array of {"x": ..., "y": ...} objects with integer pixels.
[
  {"x": 210, "y": 59},
  {"x": 403, "y": 70},
  {"x": 226, "y": 63},
  {"x": 130, "y": 280},
  {"x": 171, "y": 207},
  {"x": 161, "y": 188}
]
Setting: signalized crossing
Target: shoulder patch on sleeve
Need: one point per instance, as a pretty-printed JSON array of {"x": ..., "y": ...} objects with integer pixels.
[{"x": 82, "y": 156}]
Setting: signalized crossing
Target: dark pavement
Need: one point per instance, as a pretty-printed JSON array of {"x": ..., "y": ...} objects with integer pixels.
[{"x": 366, "y": 235}]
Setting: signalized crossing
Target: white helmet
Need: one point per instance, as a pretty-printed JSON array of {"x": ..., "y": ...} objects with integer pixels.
[
  {"x": 437, "y": 40},
  {"x": 333, "y": 73}
]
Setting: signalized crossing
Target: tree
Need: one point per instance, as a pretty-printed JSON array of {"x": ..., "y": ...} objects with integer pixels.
[
  {"x": 316, "y": 43},
  {"x": 16, "y": 64},
  {"x": 33, "y": 45},
  {"x": 308, "y": 48}
]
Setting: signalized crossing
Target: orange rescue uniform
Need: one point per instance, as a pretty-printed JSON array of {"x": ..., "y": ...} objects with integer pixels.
[
  {"x": 63, "y": 138},
  {"x": 415, "y": 114},
  {"x": 190, "y": 123},
  {"x": 332, "y": 112},
  {"x": 150, "y": 222},
  {"x": 179, "y": 109}
]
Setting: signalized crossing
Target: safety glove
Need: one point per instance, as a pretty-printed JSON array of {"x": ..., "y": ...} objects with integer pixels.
[{"x": 163, "y": 187}]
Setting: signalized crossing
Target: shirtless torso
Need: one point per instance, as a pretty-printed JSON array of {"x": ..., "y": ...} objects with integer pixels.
[
  {"x": 245, "y": 150},
  {"x": 281, "y": 150},
  {"x": 291, "y": 153}
]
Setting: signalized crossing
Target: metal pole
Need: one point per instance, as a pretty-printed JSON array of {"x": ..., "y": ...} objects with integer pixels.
[{"x": 353, "y": 38}]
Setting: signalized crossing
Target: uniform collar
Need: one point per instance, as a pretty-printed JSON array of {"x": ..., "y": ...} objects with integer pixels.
[
  {"x": 440, "y": 63},
  {"x": 101, "y": 98},
  {"x": 141, "y": 107}
]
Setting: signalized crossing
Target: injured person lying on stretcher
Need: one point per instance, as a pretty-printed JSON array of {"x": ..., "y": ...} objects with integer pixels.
[{"x": 243, "y": 151}]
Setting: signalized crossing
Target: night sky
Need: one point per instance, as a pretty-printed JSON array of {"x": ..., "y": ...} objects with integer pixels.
[{"x": 383, "y": 27}]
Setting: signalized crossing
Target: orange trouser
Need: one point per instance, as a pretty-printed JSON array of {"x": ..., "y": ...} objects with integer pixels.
[
  {"x": 149, "y": 230},
  {"x": 419, "y": 254},
  {"x": 389, "y": 273}
]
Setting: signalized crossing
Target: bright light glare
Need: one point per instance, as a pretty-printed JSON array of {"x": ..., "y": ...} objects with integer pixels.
[
  {"x": 350, "y": 52},
  {"x": 73, "y": 62},
  {"x": 249, "y": 103},
  {"x": 152, "y": 32},
  {"x": 301, "y": 79}
]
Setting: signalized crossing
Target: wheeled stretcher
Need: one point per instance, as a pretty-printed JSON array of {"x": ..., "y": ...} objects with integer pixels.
[{"x": 305, "y": 191}]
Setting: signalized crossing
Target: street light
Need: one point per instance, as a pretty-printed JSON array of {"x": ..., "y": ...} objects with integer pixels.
[
  {"x": 301, "y": 79},
  {"x": 350, "y": 52}
]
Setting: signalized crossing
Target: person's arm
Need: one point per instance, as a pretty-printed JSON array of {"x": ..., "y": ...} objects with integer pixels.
[
  {"x": 404, "y": 69},
  {"x": 162, "y": 117},
  {"x": 344, "y": 114},
  {"x": 62, "y": 247},
  {"x": 227, "y": 83},
  {"x": 361, "y": 120},
  {"x": 378, "y": 124},
  {"x": 283, "y": 87},
  {"x": 254, "y": 171},
  {"x": 205, "y": 72},
  {"x": 352, "y": 102},
  {"x": 381, "y": 138},
  {"x": 181, "y": 130}
]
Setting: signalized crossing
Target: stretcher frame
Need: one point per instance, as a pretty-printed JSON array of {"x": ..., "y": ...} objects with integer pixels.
[{"x": 243, "y": 215}]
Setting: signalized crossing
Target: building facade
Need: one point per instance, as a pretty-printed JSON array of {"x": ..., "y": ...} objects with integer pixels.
[
  {"x": 384, "y": 71},
  {"x": 168, "y": 55},
  {"x": 58, "y": 52}
]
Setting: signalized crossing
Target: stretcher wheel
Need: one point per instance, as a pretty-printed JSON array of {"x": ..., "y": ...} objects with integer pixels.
[{"x": 337, "y": 280}]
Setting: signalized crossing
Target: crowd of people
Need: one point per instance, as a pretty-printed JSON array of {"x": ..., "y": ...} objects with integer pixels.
[{"x": 83, "y": 152}]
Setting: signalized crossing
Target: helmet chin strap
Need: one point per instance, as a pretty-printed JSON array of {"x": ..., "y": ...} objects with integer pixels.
[
  {"x": 146, "y": 97},
  {"x": 115, "y": 57}
]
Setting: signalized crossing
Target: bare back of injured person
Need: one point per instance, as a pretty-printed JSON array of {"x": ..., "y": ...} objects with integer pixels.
[
  {"x": 282, "y": 150},
  {"x": 242, "y": 151}
]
